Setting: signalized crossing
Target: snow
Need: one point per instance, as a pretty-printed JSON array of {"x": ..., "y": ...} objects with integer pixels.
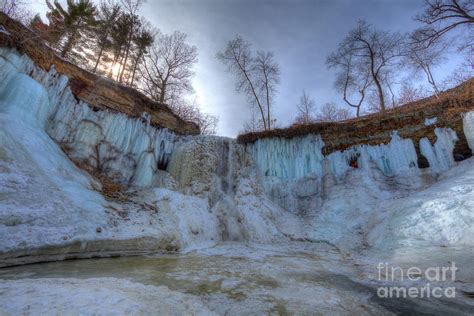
[
  {"x": 442, "y": 214},
  {"x": 95, "y": 296},
  {"x": 430, "y": 121}
]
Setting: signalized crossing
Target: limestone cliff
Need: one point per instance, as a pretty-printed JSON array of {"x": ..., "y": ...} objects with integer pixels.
[{"x": 98, "y": 92}]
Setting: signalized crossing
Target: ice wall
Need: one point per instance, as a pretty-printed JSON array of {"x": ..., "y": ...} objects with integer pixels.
[
  {"x": 288, "y": 158},
  {"x": 299, "y": 157},
  {"x": 128, "y": 150},
  {"x": 298, "y": 177}
]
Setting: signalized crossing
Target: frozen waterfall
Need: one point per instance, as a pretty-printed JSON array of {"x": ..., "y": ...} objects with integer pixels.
[
  {"x": 128, "y": 150},
  {"x": 301, "y": 156}
]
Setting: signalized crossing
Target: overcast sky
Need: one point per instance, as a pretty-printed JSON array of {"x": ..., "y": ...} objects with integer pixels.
[{"x": 301, "y": 33}]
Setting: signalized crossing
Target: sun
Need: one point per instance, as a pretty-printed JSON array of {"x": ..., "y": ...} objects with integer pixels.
[{"x": 115, "y": 69}]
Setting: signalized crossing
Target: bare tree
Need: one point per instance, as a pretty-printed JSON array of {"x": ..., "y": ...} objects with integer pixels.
[
  {"x": 253, "y": 124},
  {"x": 443, "y": 16},
  {"x": 366, "y": 49},
  {"x": 256, "y": 77},
  {"x": 17, "y": 9},
  {"x": 190, "y": 111},
  {"x": 329, "y": 112},
  {"x": 208, "y": 124},
  {"x": 306, "y": 108},
  {"x": 268, "y": 76},
  {"x": 459, "y": 75},
  {"x": 422, "y": 59},
  {"x": 408, "y": 93},
  {"x": 352, "y": 79},
  {"x": 168, "y": 68}
]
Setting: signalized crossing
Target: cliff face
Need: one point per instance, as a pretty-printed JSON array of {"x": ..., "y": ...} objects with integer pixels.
[
  {"x": 415, "y": 121},
  {"x": 98, "y": 92}
]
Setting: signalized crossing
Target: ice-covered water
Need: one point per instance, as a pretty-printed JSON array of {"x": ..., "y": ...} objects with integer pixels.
[{"x": 231, "y": 279}]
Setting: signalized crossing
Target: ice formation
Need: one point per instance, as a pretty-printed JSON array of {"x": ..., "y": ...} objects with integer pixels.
[
  {"x": 439, "y": 155},
  {"x": 468, "y": 125},
  {"x": 301, "y": 156},
  {"x": 295, "y": 173},
  {"x": 126, "y": 149},
  {"x": 288, "y": 158},
  {"x": 431, "y": 121}
]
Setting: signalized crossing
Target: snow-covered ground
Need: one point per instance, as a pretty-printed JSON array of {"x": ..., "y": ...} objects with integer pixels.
[{"x": 95, "y": 296}]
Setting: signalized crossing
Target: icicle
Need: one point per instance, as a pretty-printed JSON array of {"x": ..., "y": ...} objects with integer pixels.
[
  {"x": 288, "y": 158},
  {"x": 468, "y": 126},
  {"x": 440, "y": 156},
  {"x": 75, "y": 123},
  {"x": 24, "y": 98}
]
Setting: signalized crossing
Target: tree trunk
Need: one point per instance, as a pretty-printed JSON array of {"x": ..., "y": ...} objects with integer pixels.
[
  {"x": 116, "y": 57},
  {"x": 380, "y": 92},
  {"x": 98, "y": 58},
  {"x": 255, "y": 95},
  {"x": 268, "y": 101},
  {"x": 135, "y": 67},
  {"x": 69, "y": 44},
  {"x": 375, "y": 76},
  {"x": 431, "y": 81},
  {"x": 129, "y": 44},
  {"x": 122, "y": 66},
  {"x": 162, "y": 93}
]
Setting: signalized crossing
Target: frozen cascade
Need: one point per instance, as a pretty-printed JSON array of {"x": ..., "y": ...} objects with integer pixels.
[
  {"x": 288, "y": 158},
  {"x": 48, "y": 202},
  {"x": 299, "y": 157},
  {"x": 17, "y": 100},
  {"x": 297, "y": 175},
  {"x": 439, "y": 155},
  {"x": 125, "y": 149},
  {"x": 39, "y": 184},
  {"x": 468, "y": 125}
]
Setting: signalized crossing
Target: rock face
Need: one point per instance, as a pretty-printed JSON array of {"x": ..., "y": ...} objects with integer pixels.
[{"x": 98, "y": 92}]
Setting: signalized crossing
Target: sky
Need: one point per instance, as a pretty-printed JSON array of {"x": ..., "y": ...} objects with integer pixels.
[{"x": 300, "y": 33}]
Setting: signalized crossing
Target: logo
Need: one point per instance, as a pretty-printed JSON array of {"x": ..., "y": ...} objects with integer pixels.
[{"x": 425, "y": 281}]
